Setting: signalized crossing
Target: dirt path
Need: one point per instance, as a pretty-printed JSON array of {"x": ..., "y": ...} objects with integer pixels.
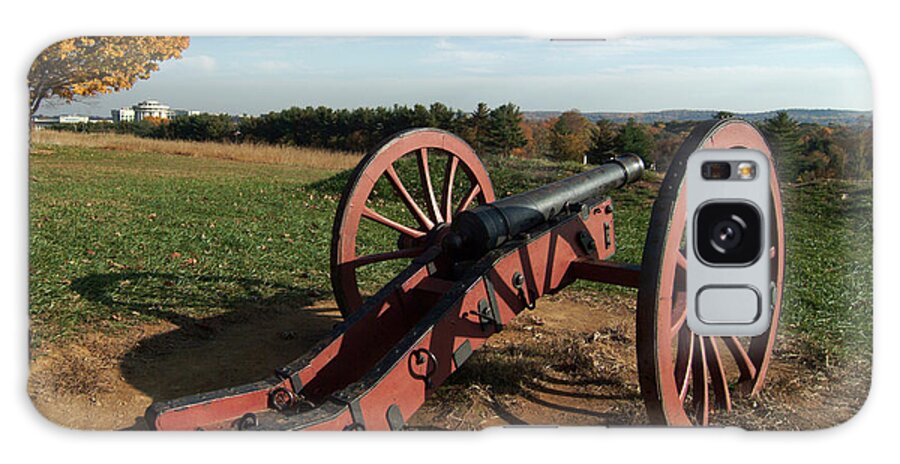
[{"x": 570, "y": 361}]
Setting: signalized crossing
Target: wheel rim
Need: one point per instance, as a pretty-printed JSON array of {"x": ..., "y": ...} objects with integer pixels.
[
  {"x": 440, "y": 157},
  {"x": 684, "y": 376}
]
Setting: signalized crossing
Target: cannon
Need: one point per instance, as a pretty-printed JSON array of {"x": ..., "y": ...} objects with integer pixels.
[
  {"x": 471, "y": 263},
  {"x": 489, "y": 226}
]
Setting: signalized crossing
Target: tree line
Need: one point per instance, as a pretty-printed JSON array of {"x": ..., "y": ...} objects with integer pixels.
[
  {"x": 803, "y": 151},
  {"x": 491, "y": 131},
  {"x": 812, "y": 151}
]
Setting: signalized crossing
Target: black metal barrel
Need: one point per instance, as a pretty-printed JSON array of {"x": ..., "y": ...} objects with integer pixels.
[{"x": 481, "y": 229}]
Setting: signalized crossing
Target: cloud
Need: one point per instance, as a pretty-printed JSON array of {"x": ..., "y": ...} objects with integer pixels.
[
  {"x": 271, "y": 66},
  {"x": 464, "y": 59},
  {"x": 203, "y": 63}
]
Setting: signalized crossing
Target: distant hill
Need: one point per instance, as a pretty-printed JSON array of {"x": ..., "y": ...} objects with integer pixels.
[{"x": 820, "y": 116}]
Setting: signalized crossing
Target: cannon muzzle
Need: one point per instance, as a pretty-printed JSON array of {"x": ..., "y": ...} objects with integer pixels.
[{"x": 486, "y": 227}]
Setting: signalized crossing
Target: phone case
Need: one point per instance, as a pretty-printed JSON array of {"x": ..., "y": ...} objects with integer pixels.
[{"x": 300, "y": 233}]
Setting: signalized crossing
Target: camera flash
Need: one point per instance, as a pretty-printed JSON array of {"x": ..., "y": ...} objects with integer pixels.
[{"x": 746, "y": 170}]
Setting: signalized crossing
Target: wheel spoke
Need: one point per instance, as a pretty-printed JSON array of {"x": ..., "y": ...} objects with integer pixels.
[
  {"x": 683, "y": 362},
  {"x": 425, "y": 175},
  {"x": 741, "y": 358},
  {"x": 469, "y": 198},
  {"x": 717, "y": 375},
  {"x": 407, "y": 199},
  {"x": 405, "y": 230},
  {"x": 447, "y": 194},
  {"x": 700, "y": 372},
  {"x": 679, "y": 312},
  {"x": 390, "y": 255},
  {"x": 681, "y": 261}
]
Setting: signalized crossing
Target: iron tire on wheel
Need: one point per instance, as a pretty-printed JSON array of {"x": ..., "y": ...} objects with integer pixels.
[
  {"x": 439, "y": 206},
  {"x": 681, "y": 373}
]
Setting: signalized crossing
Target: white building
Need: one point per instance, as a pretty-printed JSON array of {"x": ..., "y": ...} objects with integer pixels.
[
  {"x": 177, "y": 113},
  {"x": 149, "y": 109},
  {"x": 73, "y": 119},
  {"x": 123, "y": 115},
  {"x": 48, "y": 121}
]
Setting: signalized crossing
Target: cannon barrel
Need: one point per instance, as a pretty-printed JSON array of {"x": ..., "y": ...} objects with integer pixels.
[{"x": 481, "y": 229}]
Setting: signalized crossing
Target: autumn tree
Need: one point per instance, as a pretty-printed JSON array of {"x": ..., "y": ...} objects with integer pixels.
[
  {"x": 821, "y": 157},
  {"x": 570, "y": 136},
  {"x": 665, "y": 147},
  {"x": 527, "y": 150},
  {"x": 539, "y": 144},
  {"x": 86, "y": 66},
  {"x": 856, "y": 141}
]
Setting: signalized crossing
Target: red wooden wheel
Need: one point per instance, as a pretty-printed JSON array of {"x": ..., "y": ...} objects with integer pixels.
[
  {"x": 684, "y": 377},
  {"x": 438, "y": 157}
]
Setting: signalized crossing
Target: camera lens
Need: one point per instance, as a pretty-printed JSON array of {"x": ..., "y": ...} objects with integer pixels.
[{"x": 728, "y": 233}]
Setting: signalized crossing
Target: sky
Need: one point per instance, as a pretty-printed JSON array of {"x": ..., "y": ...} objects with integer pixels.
[{"x": 256, "y": 75}]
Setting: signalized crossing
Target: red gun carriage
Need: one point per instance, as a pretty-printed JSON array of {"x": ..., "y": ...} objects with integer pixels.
[{"x": 472, "y": 270}]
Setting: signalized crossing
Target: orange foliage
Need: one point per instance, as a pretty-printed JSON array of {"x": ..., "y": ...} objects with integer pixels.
[
  {"x": 84, "y": 66},
  {"x": 153, "y": 120},
  {"x": 523, "y": 152}
]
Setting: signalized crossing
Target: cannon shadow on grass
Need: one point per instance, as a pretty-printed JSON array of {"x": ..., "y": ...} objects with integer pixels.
[{"x": 230, "y": 331}]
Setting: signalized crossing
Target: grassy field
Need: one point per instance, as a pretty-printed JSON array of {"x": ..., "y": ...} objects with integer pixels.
[
  {"x": 123, "y": 234},
  {"x": 247, "y": 152}
]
